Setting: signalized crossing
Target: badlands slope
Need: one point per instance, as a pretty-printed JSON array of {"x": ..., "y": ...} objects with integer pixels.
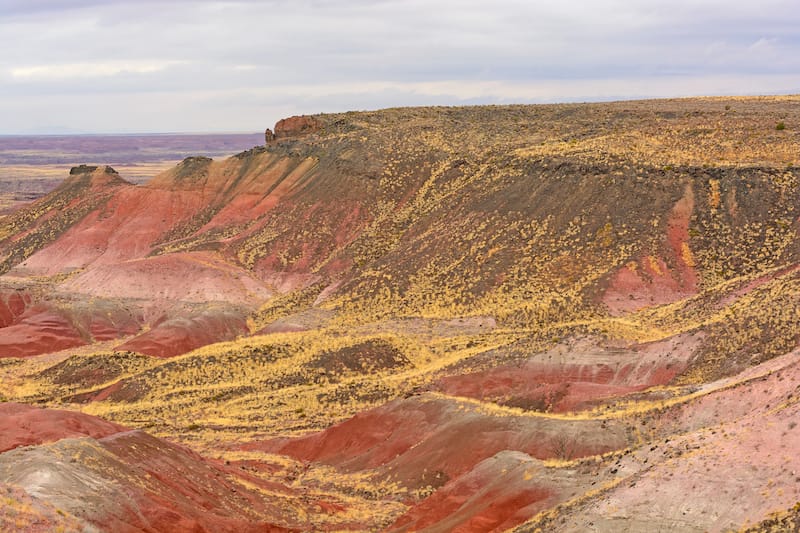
[{"x": 542, "y": 318}]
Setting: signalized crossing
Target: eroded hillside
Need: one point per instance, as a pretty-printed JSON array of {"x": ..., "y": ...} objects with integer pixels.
[{"x": 565, "y": 317}]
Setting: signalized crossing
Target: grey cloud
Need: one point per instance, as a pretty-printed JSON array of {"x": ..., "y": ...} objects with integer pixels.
[{"x": 309, "y": 55}]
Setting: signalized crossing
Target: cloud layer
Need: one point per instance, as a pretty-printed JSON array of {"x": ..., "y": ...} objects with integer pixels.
[{"x": 134, "y": 65}]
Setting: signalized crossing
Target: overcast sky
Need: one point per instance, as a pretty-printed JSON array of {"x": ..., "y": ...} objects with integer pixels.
[{"x": 182, "y": 65}]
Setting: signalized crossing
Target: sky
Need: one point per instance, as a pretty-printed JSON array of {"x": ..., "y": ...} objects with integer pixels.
[{"x": 124, "y": 66}]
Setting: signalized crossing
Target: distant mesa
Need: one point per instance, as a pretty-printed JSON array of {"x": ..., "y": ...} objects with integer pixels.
[
  {"x": 197, "y": 163},
  {"x": 89, "y": 169},
  {"x": 294, "y": 127},
  {"x": 93, "y": 176}
]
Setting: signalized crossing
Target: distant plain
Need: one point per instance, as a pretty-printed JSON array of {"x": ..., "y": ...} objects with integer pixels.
[{"x": 33, "y": 165}]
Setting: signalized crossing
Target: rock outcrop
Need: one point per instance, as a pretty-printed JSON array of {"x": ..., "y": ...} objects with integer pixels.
[
  {"x": 296, "y": 126},
  {"x": 88, "y": 169}
]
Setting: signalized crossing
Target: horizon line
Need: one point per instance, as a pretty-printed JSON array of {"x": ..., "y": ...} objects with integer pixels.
[{"x": 567, "y": 101}]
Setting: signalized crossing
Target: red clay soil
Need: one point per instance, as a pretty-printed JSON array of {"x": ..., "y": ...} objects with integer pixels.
[
  {"x": 194, "y": 277},
  {"x": 40, "y": 329},
  {"x": 543, "y": 389},
  {"x": 251, "y": 199},
  {"x": 105, "y": 327},
  {"x": 134, "y": 219},
  {"x": 730, "y": 459},
  {"x": 43, "y": 327},
  {"x": 123, "y": 229},
  {"x": 499, "y": 493},
  {"x": 651, "y": 280},
  {"x": 24, "y": 425},
  {"x": 128, "y": 481},
  {"x": 426, "y": 440},
  {"x": 183, "y": 334},
  {"x": 755, "y": 284},
  {"x": 182, "y": 491},
  {"x": 109, "y": 254},
  {"x": 12, "y": 305},
  {"x": 575, "y": 375}
]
